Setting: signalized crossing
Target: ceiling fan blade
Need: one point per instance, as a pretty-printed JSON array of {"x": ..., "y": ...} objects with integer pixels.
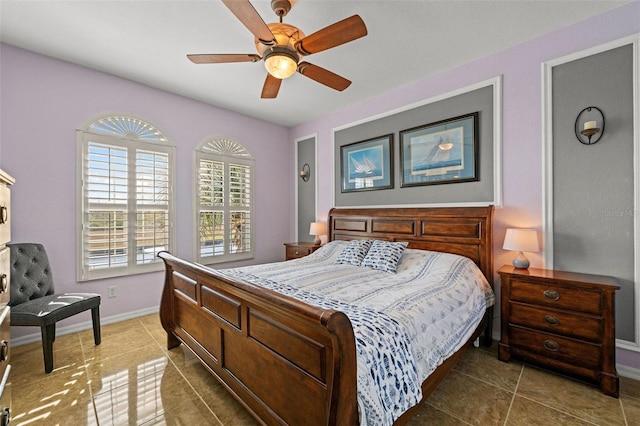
[
  {"x": 334, "y": 35},
  {"x": 271, "y": 87},
  {"x": 323, "y": 76},
  {"x": 223, "y": 58},
  {"x": 248, "y": 15}
]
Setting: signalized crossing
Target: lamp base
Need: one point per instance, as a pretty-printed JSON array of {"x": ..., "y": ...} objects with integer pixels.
[
  {"x": 521, "y": 262},
  {"x": 317, "y": 240}
]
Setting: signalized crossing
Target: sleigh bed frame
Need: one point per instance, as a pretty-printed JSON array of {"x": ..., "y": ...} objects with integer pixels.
[{"x": 292, "y": 363}]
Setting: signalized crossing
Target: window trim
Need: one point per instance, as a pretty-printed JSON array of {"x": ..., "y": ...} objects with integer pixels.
[
  {"x": 84, "y": 135},
  {"x": 228, "y": 151}
]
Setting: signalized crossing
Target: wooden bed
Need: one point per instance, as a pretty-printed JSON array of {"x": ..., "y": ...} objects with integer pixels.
[{"x": 292, "y": 363}]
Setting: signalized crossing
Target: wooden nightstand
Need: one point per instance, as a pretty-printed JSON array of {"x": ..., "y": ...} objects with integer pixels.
[
  {"x": 299, "y": 249},
  {"x": 561, "y": 320}
]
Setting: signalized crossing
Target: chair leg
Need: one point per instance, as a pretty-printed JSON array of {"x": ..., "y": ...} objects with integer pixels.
[
  {"x": 95, "y": 318},
  {"x": 48, "y": 336}
]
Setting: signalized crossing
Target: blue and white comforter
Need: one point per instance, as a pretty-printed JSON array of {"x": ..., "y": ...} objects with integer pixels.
[{"x": 406, "y": 324}]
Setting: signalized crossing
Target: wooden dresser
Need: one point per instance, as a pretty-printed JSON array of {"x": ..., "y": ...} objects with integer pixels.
[
  {"x": 5, "y": 236},
  {"x": 299, "y": 249},
  {"x": 561, "y": 320}
]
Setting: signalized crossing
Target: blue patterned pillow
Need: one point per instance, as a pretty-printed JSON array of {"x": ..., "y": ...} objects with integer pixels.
[
  {"x": 354, "y": 252},
  {"x": 384, "y": 255}
]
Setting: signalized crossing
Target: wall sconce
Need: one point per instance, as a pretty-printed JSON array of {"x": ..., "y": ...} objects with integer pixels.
[
  {"x": 317, "y": 229},
  {"x": 521, "y": 240},
  {"x": 305, "y": 172},
  {"x": 589, "y": 128}
]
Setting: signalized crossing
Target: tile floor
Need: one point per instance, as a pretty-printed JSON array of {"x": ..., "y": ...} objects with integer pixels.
[{"x": 131, "y": 379}]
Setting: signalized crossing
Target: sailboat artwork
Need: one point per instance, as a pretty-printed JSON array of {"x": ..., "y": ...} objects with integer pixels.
[
  {"x": 441, "y": 152},
  {"x": 367, "y": 165},
  {"x": 438, "y": 153}
]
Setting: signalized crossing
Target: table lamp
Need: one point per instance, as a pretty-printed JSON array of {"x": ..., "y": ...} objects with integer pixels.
[
  {"x": 521, "y": 240},
  {"x": 317, "y": 229}
]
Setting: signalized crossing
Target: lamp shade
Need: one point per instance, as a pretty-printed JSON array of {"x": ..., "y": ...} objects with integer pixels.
[
  {"x": 521, "y": 240},
  {"x": 317, "y": 228}
]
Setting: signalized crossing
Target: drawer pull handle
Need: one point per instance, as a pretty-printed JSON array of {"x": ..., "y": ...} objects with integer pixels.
[
  {"x": 551, "y": 345},
  {"x": 4, "y": 283},
  {"x": 551, "y": 320},
  {"x": 4, "y": 215},
  {"x": 4, "y": 350},
  {"x": 5, "y": 417},
  {"x": 297, "y": 253},
  {"x": 551, "y": 294}
]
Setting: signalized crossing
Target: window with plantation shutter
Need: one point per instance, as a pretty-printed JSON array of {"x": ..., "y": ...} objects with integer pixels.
[
  {"x": 125, "y": 197},
  {"x": 224, "y": 213}
]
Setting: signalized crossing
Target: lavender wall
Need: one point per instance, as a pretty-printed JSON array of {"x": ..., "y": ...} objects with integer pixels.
[
  {"x": 520, "y": 68},
  {"x": 44, "y": 100}
]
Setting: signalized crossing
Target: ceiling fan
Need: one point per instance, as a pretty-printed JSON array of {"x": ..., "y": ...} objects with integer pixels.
[{"x": 282, "y": 46}]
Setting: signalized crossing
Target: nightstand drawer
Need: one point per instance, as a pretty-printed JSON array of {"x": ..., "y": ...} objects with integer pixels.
[
  {"x": 568, "y": 324},
  {"x": 299, "y": 249},
  {"x": 297, "y": 252},
  {"x": 546, "y": 294},
  {"x": 570, "y": 351},
  {"x": 562, "y": 320}
]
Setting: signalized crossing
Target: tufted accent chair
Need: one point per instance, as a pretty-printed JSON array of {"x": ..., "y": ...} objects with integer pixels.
[{"x": 34, "y": 302}]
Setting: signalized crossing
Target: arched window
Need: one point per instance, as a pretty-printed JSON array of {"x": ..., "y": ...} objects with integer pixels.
[
  {"x": 224, "y": 195},
  {"x": 125, "y": 196}
]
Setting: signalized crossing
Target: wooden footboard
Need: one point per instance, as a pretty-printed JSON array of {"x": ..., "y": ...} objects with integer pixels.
[
  {"x": 286, "y": 361},
  {"x": 292, "y": 363}
]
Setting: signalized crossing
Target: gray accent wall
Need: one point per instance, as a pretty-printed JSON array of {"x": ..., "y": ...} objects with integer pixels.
[
  {"x": 480, "y": 100},
  {"x": 593, "y": 186},
  {"x": 306, "y": 190}
]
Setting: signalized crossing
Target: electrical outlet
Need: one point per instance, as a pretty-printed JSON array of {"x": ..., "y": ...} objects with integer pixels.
[{"x": 111, "y": 291}]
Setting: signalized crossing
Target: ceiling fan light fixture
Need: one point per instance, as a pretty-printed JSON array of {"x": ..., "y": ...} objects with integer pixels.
[{"x": 281, "y": 62}]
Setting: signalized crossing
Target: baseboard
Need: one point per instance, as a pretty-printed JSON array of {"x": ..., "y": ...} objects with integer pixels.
[
  {"x": 628, "y": 372},
  {"x": 87, "y": 325}
]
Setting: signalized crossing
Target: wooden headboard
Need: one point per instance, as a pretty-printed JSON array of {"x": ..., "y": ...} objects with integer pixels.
[{"x": 460, "y": 230}]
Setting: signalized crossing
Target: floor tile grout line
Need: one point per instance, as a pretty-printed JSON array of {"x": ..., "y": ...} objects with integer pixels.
[
  {"x": 624, "y": 414},
  {"x": 179, "y": 370},
  {"x": 155, "y": 331},
  {"x": 561, "y": 410},
  {"x": 85, "y": 363},
  {"x": 193, "y": 389},
  {"x": 627, "y": 396},
  {"x": 546, "y": 405},
  {"x": 447, "y": 412},
  {"x": 582, "y": 419},
  {"x": 471, "y": 376},
  {"x": 513, "y": 397}
]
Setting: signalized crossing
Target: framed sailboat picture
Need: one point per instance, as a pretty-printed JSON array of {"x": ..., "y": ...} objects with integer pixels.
[
  {"x": 367, "y": 165},
  {"x": 442, "y": 152}
]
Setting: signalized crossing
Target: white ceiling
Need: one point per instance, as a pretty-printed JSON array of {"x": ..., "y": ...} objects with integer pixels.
[{"x": 147, "y": 40}]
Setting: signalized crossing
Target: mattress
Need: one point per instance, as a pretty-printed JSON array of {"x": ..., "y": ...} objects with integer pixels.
[{"x": 406, "y": 323}]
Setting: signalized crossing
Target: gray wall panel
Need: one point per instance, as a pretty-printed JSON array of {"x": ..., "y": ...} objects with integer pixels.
[
  {"x": 306, "y": 190},
  {"x": 593, "y": 186},
  {"x": 481, "y": 191}
]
